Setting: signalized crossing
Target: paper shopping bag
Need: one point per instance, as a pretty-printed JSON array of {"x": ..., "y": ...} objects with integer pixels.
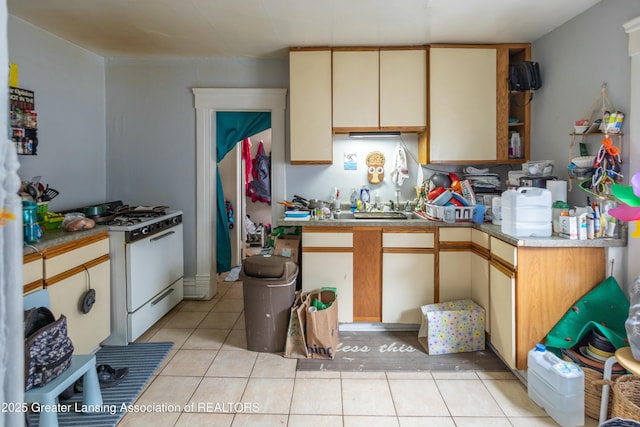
[
  {"x": 296, "y": 344},
  {"x": 322, "y": 324}
]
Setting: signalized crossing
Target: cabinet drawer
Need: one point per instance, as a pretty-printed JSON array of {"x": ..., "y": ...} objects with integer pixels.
[
  {"x": 455, "y": 234},
  {"x": 327, "y": 240},
  {"x": 408, "y": 240},
  {"x": 64, "y": 257},
  {"x": 504, "y": 251},
  {"x": 480, "y": 238}
]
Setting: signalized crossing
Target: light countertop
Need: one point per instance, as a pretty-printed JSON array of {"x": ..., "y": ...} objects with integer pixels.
[
  {"x": 57, "y": 237},
  {"x": 491, "y": 229}
]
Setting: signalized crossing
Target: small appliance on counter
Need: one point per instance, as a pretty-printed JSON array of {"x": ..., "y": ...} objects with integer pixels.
[{"x": 538, "y": 181}]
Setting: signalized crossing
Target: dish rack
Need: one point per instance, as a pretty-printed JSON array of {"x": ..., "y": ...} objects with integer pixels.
[{"x": 436, "y": 213}]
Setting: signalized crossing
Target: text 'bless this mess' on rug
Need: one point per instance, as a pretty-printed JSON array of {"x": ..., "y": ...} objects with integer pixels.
[{"x": 397, "y": 351}]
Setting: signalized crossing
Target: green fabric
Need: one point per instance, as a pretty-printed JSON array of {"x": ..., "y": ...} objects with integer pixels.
[
  {"x": 605, "y": 307},
  {"x": 231, "y": 128}
]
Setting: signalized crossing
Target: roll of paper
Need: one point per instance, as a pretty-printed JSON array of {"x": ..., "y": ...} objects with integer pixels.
[{"x": 558, "y": 190}]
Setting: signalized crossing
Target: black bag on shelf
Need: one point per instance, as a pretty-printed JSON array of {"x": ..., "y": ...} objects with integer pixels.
[
  {"x": 524, "y": 76},
  {"x": 47, "y": 348}
]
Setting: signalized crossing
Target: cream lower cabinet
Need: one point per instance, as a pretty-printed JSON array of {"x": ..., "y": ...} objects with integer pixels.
[
  {"x": 32, "y": 275},
  {"x": 72, "y": 269},
  {"x": 463, "y": 261},
  {"x": 407, "y": 273},
  {"x": 327, "y": 260},
  {"x": 503, "y": 315},
  {"x": 480, "y": 254},
  {"x": 454, "y": 263},
  {"x": 502, "y": 299}
]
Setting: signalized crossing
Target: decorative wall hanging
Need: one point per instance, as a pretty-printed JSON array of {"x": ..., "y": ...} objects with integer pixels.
[
  {"x": 375, "y": 167},
  {"x": 23, "y": 120},
  {"x": 350, "y": 161}
]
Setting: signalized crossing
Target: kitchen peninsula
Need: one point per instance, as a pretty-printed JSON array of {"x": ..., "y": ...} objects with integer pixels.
[{"x": 385, "y": 270}]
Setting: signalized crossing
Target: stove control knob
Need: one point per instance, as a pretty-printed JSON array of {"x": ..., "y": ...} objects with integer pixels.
[
  {"x": 145, "y": 230},
  {"x": 175, "y": 219}
]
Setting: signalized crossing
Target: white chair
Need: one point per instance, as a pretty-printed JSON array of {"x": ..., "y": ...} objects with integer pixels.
[{"x": 81, "y": 364}]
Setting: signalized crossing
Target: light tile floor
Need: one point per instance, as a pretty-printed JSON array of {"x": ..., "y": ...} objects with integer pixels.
[{"x": 210, "y": 379}]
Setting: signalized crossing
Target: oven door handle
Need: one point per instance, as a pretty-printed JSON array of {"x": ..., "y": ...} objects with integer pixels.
[
  {"x": 154, "y": 239},
  {"x": 161, "y": 297}
]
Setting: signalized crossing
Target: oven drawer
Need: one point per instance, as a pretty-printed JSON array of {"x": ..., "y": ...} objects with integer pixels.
[
  {"x": 150, "y": 313},
  {"x": 152, "y": 264}
]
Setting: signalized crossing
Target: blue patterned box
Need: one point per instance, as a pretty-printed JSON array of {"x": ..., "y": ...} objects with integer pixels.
[{"x": 452, "y": 327}]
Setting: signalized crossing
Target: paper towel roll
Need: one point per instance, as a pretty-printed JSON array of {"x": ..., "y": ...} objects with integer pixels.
[{"x": 558, "y": 190}]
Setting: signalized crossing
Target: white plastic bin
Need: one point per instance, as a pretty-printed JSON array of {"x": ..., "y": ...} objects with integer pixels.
[
  {"x": 526, "y": 212},
  {"x": 557, "y": 386}
]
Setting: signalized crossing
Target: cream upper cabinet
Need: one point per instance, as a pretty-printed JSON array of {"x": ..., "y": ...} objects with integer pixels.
[
  {"x": 376, "y": 89},
  {"x": 462, "y": 104},
  {"x": 310, "y": 107},
  {"x": 355, "y": 88},
  {"x": 403, "y": 88}
]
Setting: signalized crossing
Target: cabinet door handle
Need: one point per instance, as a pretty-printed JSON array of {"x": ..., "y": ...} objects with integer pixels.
[
  {"x": 154, "y": 239},
  {"x": 161, "y": 297}
]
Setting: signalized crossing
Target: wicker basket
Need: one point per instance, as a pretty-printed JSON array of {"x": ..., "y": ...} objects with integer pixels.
[
  {"x": 593, "y": 391},
  {"x": 626, "y": 397}
]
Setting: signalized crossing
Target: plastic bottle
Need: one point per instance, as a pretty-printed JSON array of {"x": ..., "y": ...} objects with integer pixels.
[
  {"x": 516, "y": 145},
  {"x": 354, "y": 200}
]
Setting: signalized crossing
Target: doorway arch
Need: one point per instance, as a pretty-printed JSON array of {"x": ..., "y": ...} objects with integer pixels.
[{"x": 208, "y": 101}]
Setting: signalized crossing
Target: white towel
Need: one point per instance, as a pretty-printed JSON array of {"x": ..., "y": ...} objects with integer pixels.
[{"x": 400, "y": 171}]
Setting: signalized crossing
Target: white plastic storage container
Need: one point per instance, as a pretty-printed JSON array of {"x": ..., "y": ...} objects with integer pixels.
[
  {"x": 557, "y": 386},
  {"x": 526, "y": 212}
]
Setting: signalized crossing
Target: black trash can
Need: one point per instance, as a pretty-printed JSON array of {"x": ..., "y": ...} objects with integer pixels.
[{"x": 268, "y": 286}]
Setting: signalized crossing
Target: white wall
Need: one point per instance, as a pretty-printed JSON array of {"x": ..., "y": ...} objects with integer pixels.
[
  {"x": 69, "y": 86},
  {"x": 151, "y": 136},
  {"x": 318, "y": 182},
  {"x": 575, "y": 60}
]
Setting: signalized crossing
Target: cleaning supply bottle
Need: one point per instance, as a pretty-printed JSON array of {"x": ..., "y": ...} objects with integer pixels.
[
  {"x": 354, "y": 200},
  {"x": 516, "y": 145}
]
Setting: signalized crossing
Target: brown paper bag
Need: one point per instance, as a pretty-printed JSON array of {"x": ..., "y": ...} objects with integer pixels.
[
  {"x": 296, "y": 344},
  {"x": 322, "y": 326}
]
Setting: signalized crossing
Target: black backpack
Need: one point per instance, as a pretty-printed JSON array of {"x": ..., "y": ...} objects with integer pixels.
[
  {"x": 47, "y": 348},
  {"x": 524, "y": 76}
]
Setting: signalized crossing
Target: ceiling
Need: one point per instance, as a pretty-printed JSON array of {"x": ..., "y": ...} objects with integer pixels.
[{"x": 266, "y": 28}]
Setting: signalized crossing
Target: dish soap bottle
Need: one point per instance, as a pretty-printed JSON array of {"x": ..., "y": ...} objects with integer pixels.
[{"x": 354, "y": 200}]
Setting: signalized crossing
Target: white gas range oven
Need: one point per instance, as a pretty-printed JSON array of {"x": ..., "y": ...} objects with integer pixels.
[{"x": 147, "y": 267}]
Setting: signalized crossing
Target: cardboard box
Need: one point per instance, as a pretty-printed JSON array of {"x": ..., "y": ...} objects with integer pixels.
[
  {"x": 452, "y": 327},
  {"x": 288, "y": 246},
  {"x": 568, "y": 227}
]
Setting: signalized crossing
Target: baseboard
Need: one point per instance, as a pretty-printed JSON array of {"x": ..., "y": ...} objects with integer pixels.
[{"x": 364, "y": 326}]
